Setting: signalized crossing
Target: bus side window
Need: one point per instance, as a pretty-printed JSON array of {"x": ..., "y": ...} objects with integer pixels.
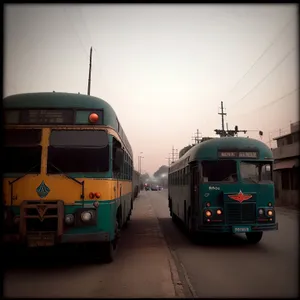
[{"x": 116, "y": 145}]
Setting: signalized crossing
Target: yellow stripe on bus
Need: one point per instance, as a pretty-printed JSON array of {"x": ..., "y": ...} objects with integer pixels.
[{"x": 62, "y": 188}]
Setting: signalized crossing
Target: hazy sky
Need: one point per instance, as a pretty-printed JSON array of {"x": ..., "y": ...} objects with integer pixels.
[{"x": 163, "y": 68}]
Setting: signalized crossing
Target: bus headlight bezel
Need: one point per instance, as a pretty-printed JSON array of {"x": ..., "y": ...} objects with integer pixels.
[
  {"x": 69, "y": 219},
  {"x": 86, "y": 216},
  {"x": 261, "y": 211}
]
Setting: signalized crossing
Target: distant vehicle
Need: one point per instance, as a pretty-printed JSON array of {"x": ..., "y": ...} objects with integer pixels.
[
  {"x": 154, "y": 188},
  {"x": 160, "y": 188},
  {"x": 70, "y": 168},
  {"x": 225, "y": 185},
  {"x": 147, "y": 188}
]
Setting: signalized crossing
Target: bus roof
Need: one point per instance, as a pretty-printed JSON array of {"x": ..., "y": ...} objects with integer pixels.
[
  {"x": 209, "y": 150},
  {"x": 67, "y": 100},
  {"x": 54, "y": 100}
]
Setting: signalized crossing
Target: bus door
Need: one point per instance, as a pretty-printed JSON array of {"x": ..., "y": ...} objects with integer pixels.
[{"x": 194, "y": 188}]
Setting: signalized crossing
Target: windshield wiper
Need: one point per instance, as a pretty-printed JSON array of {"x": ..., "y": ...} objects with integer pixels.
[
  {"x": 12, "y": 182},
  {"x": 69, "y": 177}
]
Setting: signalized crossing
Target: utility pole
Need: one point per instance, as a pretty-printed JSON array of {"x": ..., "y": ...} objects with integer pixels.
[
  {"x": 228, "y": 132},
  {"x": 169, "y": 160},
  {"x": 222, "y": 116},
  {"x": 198, "y": 136},
  {"x": 140, "y": 163},
  {"x": 193, "y": 140},
  {"x": 176, "y": 154},
  {"x": 90, "y": 73},
  {"x": 173, "y": 154}
]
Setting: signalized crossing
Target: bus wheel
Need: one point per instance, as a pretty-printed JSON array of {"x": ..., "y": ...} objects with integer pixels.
[
  {"x": 254, "y": 237},
  {"x": 110, "y": 248},
  {"x": 109, "y": 251}
]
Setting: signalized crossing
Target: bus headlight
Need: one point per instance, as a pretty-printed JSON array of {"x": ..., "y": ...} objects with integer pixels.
[
  {"x": 69, "y": 219},
  {"x": 208, "y": 213},
  {"x": 16, "y": 220},
  {"x": 270, "y": 213},
  {"x": 86, "y": 216},
  {"x": 261, "y": 211},
  {"x": 219, "y": 212}
]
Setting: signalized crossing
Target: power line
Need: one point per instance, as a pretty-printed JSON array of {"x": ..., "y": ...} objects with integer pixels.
[
  {"x": 268, "y": 74},
  {"x": 270, "y": 103},
  {"x": 263, "y": 53}
]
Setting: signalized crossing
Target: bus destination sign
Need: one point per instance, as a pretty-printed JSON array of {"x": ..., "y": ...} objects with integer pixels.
[
  {"x": 238, "y": 154},
  {"x": 47, "y": 116}
]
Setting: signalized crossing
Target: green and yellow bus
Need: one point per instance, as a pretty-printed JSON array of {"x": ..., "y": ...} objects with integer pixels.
[
  {"x": 224, "y": 185},
  {"x": 68, "y": 173}
]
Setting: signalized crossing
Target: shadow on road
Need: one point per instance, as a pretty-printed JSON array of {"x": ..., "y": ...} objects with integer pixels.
[
  {"x": 49, "y": 258},
  {"x": 177, "y": 237}
]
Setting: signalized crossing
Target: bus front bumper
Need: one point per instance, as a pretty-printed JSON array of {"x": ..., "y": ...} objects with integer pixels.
[
  {"x": 39, "y": 240},
  {"x": 230, "y": 228}
]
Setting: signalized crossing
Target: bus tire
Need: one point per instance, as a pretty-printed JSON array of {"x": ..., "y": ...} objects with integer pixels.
[
  {"x": 109, "y": 251},
  {"x": 254, "y": 237}
]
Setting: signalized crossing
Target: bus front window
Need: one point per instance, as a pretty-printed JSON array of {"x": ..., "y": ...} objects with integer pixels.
[
  {"x": 255, "y": 172},
  {"x": 22, "y": 151},
  {"x": 219, "y": 171},
  {"x": 72, "y": 151}
]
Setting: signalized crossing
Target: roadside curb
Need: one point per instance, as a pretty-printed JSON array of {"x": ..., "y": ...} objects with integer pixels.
[{"x": 178, "y": 287}]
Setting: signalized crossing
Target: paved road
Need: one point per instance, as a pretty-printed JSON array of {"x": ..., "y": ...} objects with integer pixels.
[
  {"x": 143, "y": 267},
  {"x": 231, "y": 267}
]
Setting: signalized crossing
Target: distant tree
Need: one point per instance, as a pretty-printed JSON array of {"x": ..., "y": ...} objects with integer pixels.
[
  {"x": 162, "y": 170},
  {"x": 144, "y": 177}
]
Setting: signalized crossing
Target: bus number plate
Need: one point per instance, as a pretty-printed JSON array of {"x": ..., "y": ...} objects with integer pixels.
[
  {"x": 241, "y": 229},
  {"x": 40, "y": 241}
]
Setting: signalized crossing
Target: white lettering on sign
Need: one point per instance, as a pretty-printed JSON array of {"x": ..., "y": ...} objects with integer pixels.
[
  {"x": 248, "y": 154},
  {"x": 216, "y": 188}
]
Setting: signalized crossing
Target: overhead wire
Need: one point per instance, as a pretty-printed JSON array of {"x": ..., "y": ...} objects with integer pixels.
[
  {"x": 266, "y": 76},
  {"x": 270, "y": 103},
  {"x": 262, "y": 54}
]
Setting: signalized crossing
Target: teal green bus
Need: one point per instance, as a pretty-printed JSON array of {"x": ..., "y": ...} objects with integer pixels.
[
  {"x": 68, "y": 173},
  {"x": 224, "y": 185}
]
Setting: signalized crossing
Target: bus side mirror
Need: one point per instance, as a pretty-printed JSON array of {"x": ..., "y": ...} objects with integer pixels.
[{"x": 119, "y": 158}]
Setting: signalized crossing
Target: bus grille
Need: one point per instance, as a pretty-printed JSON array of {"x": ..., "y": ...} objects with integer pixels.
[
  {"x": 50, "y": 224},
  {"x": 240, "y": 213},
  {"x": 41, "y": 217}
]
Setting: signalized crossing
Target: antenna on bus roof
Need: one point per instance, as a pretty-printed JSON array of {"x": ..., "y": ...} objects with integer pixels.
[{"x": 90, "y": 73}]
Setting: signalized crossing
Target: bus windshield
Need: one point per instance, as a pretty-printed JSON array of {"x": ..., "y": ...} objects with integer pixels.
[
  {"x": 255, "y": 172},
  {"x": 22, "y": 151},
  {"x": 219, "y": 171},
  {"x": 78, "y": 151}
]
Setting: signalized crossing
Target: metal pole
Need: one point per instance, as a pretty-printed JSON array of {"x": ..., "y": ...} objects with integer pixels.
[{"x": 90, "y": 73}]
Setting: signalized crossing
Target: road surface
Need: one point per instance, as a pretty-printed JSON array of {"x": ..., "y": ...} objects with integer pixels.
[
  {"x": 231, "y": 267},
  {"x": 144, "y": 267}
]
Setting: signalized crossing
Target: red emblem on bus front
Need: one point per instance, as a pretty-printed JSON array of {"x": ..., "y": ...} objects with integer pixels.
[{"x": 240, "y": 197}]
